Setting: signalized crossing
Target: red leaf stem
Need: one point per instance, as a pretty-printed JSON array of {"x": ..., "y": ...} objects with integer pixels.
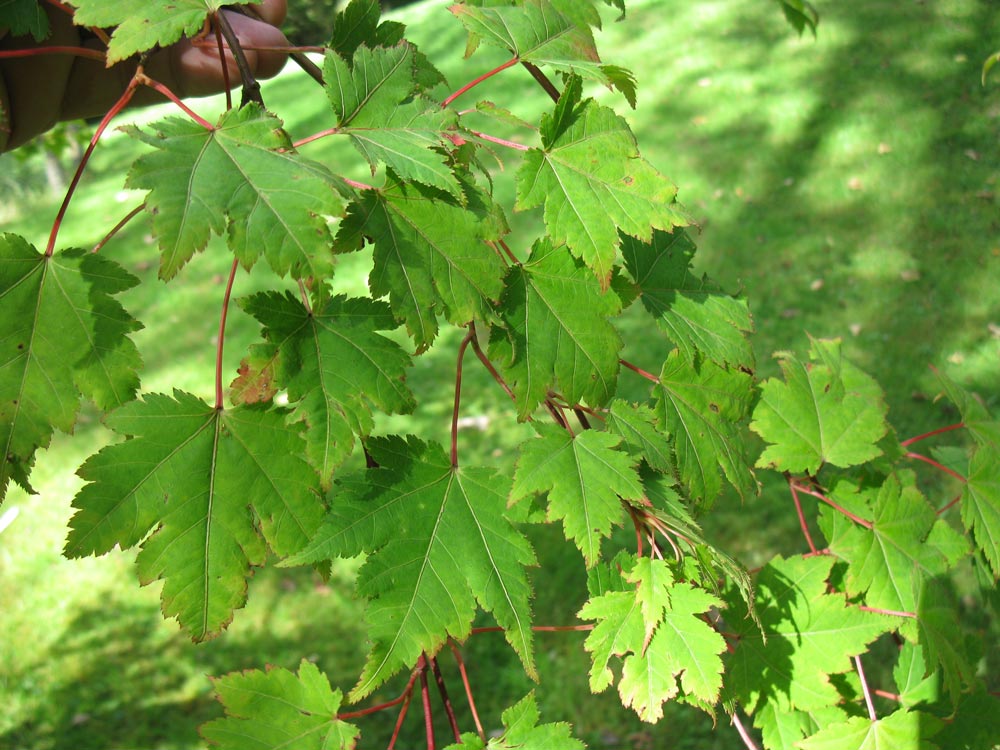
[
  {"x": 468, "y": 690},
  {"x": 117, "y": 107},
  {"x": 471, "y": 84},
  {"x": 536, "y": 628},
  {"x": 481, "y": 355},
  {"x": 458, "y": 394},
  {"x": 744, "y": 734},
  {"x": 443, "y": 691},
  {"x": 936, "y": 465},
  {"x": 886, "y": 694},
  {"x": 938, "y": 431},
  {"x": 510, "y": 254},
  {"x": 819, "y": 495},
  {"x": 399, "y": 719},
  {"x": 118, "y": 227},
  {"x": 425, "y": 699},
  {"x": 950, "y": 505},
  {"x": 315, "y": 137},
  {"x": 147, "y": 81},
  {"x": 500, "y": 141},
  {"x": 802, "y": 517},
  {"x": 543, "y": 80},
  {"x": 864, "y": 688},
  {"x": 305, "y": 296},
  {"x": 357, "y": 185},
  {"x": 891, "y": 612},
  {"x": 222, "y": 334},
  {"x": 648, "y": 375},
  {"x": 91, "y": 54}
]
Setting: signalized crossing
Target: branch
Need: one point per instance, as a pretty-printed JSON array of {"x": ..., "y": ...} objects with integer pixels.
[
  {"x": 543, "y": 80},
  {"x": 439, "y": 679},
  {"x": 251, "y": 88}
]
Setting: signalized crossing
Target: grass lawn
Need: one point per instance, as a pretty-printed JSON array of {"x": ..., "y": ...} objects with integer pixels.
[{"x": 847, "y": 185}]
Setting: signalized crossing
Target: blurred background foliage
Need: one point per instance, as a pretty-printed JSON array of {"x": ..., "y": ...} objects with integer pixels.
[{"x": 847, "y": 185}]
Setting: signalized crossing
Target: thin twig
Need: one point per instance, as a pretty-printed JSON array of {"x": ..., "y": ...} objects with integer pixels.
[
  {"x": 489, "y": 74},
  {"x": 938, "y": 431},
  {"x": 802, "y": 517},
  {"x": 118, "y": 227},
  {"x": 864, "y": 688},
  {"x": 936, "y": 465},
  {"x": 648, "y": 375},
  {"x": 468, "y": 690},
  {"x": 425, "y": 699},
  {"x": 222, "y": 333},
  {"x": 439, "y": 679},
  {"x": 251, "y": 88},
  {"x": 744, "y": 734},
  {"x": 543, "y": 80},
  {"x": 820, "y": 496}
]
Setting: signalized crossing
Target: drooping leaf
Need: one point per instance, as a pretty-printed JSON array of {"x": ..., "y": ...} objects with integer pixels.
[
  {"x": 62, "y": 335},
  {"x": 914, "y": 685},
  {"x": 584, "y": 476},
  {"x": 334, "y": 366},
  {"x": 906, "y": 544},
  {"x": 665, "y": 645},
  {"x": 825, "y": 411},
  {"x": 800, "y": 14},
  {"x": 243, "y": 174},
  {"x": 542, "y": 32},
  {"x": 701, "y": 405},
  {"x": 140, "y": 25},
  {"x": 548, "y": 339},
  {"x": 940, "y": 635},
  {"x": 278, "y": 709},
  {"x": 643, "y": 438},
  {"x": 430, "y": 254},
  {"x": 23, "y": 17},
  {"x": 909, "y": 729},
  {"x": 376, "y": 104},
  {"x": 438, "y": 544},
  {"x": 593, "y": 182},
  {"x": 694, "y": 312},
  {"x": 523, "y": 732},
  {"x": 198, "y": 476},
  {"x": 807, "y": 636},
  {"x": 981, "y": 504}
]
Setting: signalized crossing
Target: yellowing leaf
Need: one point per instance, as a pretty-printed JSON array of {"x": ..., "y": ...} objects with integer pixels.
[
  {"x": 243, "y": 174},
  {"x": 198, "y": 476},
  {"x": 594, "y": 183}
]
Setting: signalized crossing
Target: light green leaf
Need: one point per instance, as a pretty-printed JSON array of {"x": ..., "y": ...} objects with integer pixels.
[
  {"x": 62, "y": 335},
  {"x": 782, "y": 728},
  {"x": 701, "y": 406},
  {"x": 242, "y": 174},
  {"x": 523, "y": 732},
  {"x": 594, "y": 183},
  {"x": 643, "y": 439},
  {"x": 981, "y": 504},
  {"x": 696, "y": 315},
  {"x": 585, "y": 478},
  {"x": 902, "y": 729},
  {"x": 940, "y": 635},
  {"x": 140, "y": 25},
  {"x": 376, "y": 104},
  {"x": 334, "y": 366},
  {"x": 193, "y": 473},
  {"x": 438, "y": 544},
  {"x": 430, "y": 253},
  {"x": 816, "y": 416},
  {"x": 278, "y": 709},
  {"x": 549, "y": 341}
]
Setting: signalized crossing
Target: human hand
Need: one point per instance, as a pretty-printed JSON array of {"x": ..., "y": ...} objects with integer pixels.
[{"x": 43, "y": 90}]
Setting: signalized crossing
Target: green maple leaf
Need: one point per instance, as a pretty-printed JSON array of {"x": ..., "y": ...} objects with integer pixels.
[
  {"x": 430, "y": 253},
  {"x": 702, "y": 405},
  {"x": 334, "y": 365},
  {"x": 141, "y": 25},
  {"x": 279, "y": 709},
  {"x": 781, "y": 728},
  {"x": 906, "y": 544},
  {"x": 593, "y": 182},
  {"x": 22, "y": 17},
  {"x": 914, "y": 683},
  {"x": 193, "y": 473},
  {"x": 939, "y": 635},
  {"x": 902, "y": 729},
  {"x": 695, "y": 313},
  {"x": 657, "y": 628},
  {"x": 806, "y": 636},
  {"x": 62, "y": 335},
  {"x": 584, "y": 476},
  {"x": 375, "y": 104},
  {"x": 539, "y": 32},
  {"x": 523, "y": 732},
  {"x": 549, "y": 340},
  {"x": 981, "y": 504},
  {"x": 242, "y": 174},
  {"x": 800, "y": 14},
  {"x": 825, "y": 411},
  {"x": 438, "y": 544},
  {"x": 643, "y": 438},
  {"x": 974, "y": 725}
]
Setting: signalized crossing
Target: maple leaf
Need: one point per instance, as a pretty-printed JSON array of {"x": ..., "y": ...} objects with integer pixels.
[
  {"x": 543, "y": 32},
  {"x": 643, "y": 438},
  {"x": 906, "y": 544},
  {"x": 140, "y": 25},
  {"x": 193, "y": 472},
  {"x": 981, "y": 504},
  {"x": 939, "y": 635},
  {"x": 807, "y": 635},
  {"x": 593, "y": 182},
  {"x": 523, "y": 732},
  {"x": 584, "y": 476},
  {"x": 781, "y": 728},
  {"x": 915, "y": 684},
  {"x": 62, "y": 335},
  {"x": 375, "y": 104},
  {"x": 657, "y": 628},
  {"x": 548, "y": 339},
  {"x": 438, "y": 544},
  {"x": 23, "y": 17},
  {"x": 693, "y": 311},
  {"x": 701, "y": 405},
  {"x": 430, "y": 252},
  {"x": 333, "y": 364},
  {"x": 279, "y": 709},
  {"x": 826, "y": 411},
  {"x": 242, "y": 174},
  {"x": 901, "y": 729}
]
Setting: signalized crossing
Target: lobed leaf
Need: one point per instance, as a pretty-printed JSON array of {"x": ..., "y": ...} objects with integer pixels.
[
  {"x": 899, "y": 729},
  {"x": 523, "y": 732},
  {"x": 23, "y": 17}
]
